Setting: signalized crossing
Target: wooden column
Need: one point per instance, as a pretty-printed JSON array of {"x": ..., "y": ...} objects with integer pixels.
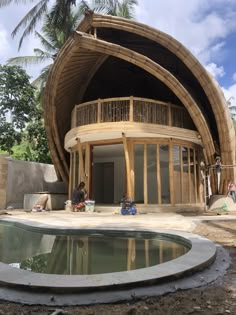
[
  {"x": 81, "y": 162},
  {"x": 74, "y": 170},
  {"x": 128, "y": 168},
  {"x": 87, "y": 167},
  {"x": 70, "y": 179},
  {"x": 145, "y": 184},
  {"x": 132, "y": 175}
]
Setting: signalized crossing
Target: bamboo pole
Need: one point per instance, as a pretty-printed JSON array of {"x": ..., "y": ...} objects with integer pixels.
[
  {"x": 70, "y": 179},
  {"x": 127, "y": 162},
  {"x": 81, "y": 161}
]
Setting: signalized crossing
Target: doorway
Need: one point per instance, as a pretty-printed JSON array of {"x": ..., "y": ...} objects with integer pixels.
[{"x": 103, "y": 182}]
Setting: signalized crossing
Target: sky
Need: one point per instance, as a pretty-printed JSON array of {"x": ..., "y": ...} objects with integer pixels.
[{"x": 206, "y": 27}]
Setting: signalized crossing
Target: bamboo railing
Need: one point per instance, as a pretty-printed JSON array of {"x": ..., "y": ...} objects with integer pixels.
[{"x": 131, "y": 109}]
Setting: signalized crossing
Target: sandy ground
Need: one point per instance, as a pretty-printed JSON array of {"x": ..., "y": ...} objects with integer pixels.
[{"x": 216, "y": 299}]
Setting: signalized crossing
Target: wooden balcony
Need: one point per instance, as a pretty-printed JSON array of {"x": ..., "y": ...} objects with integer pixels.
[{"x": 132, "y": 109}]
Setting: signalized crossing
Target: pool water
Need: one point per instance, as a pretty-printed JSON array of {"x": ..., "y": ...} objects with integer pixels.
[{"x": 84, "y": 252}]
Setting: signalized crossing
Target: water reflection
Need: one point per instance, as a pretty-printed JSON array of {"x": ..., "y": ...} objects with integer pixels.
[{"x": 93, "y": 253}]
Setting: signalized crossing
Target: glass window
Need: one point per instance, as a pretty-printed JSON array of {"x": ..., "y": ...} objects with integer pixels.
[
  {"x": 185, "y": 178},
  {"x": 177, "y": 174},
  {"x": 165, "y": 174},
  {"x": 192, "y": 177},
  {"x": 139, "y": 173},
  {"x": 152, "y": 173}
]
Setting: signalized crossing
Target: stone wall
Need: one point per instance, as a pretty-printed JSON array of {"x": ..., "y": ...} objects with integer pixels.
[{"x": 23, "y": 177}]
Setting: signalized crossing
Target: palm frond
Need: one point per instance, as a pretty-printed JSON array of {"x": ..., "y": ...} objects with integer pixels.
[
  {"x": 30, "y": 20},
  {"x": 40, "y": 81},
  {"x": 45, "y": 43},
  {"x": 26, "y": 60},
  {"x": 44, "y": 55}
]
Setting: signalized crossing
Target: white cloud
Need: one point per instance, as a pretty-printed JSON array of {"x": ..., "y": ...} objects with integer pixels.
[
  {"x": 199, "y": 25},
  {"x": 215, "y": 70},
  {"x": 5, "y": 47},
  {"x": 230, "y": 94}
]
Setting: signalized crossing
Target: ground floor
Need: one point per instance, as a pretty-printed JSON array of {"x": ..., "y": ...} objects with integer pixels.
[{"x": 151, "y": 171}]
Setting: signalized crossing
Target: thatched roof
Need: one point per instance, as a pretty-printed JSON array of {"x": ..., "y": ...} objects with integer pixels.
[{"x": 124, "y": 58}]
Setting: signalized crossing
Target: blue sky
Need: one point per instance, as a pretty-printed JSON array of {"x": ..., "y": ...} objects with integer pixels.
[{"x": 206, "y": 27}]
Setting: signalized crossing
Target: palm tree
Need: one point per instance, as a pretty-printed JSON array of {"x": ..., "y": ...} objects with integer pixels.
[
  {"x": 51, "y": 41},
  {"x": 62, "y": 10}
]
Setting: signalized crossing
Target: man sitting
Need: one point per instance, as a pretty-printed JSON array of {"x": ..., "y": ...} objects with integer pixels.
[{"x": 127, "y": 206}]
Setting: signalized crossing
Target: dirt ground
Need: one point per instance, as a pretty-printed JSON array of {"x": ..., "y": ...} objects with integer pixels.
[{"x": 216, "y": 299}]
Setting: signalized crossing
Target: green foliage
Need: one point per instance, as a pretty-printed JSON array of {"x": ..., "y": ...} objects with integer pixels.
[
  {"x": 16, "y": 95},
  {"x": 36, "y": 263},
  {"x": 17, "y": 105}
]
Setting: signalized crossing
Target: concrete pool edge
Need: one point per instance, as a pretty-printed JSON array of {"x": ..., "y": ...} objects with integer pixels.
[{"x": 200, "y": 256}]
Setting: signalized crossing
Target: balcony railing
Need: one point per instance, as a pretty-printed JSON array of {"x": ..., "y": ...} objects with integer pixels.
[{"x": 131, "y": 109}]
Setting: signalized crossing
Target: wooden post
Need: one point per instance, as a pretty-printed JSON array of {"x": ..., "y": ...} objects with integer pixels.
[
  {"x": 70, "y": 179},
  {"x": 81, "y": 161},
  {"x": 127, "y": 162},
  {"x": 87, "y": 167},
  {"x": 132, "y": 175}
]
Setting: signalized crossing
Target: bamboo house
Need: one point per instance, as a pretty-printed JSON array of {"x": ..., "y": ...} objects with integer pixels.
[{"x": 128, "y": 109}]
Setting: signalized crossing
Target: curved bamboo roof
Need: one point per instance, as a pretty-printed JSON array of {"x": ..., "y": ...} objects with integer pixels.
[{"x": 112, "y": 57}]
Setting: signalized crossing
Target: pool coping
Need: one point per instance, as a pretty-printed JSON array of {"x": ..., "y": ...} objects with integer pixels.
[{"x": 201, "y": 255}]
